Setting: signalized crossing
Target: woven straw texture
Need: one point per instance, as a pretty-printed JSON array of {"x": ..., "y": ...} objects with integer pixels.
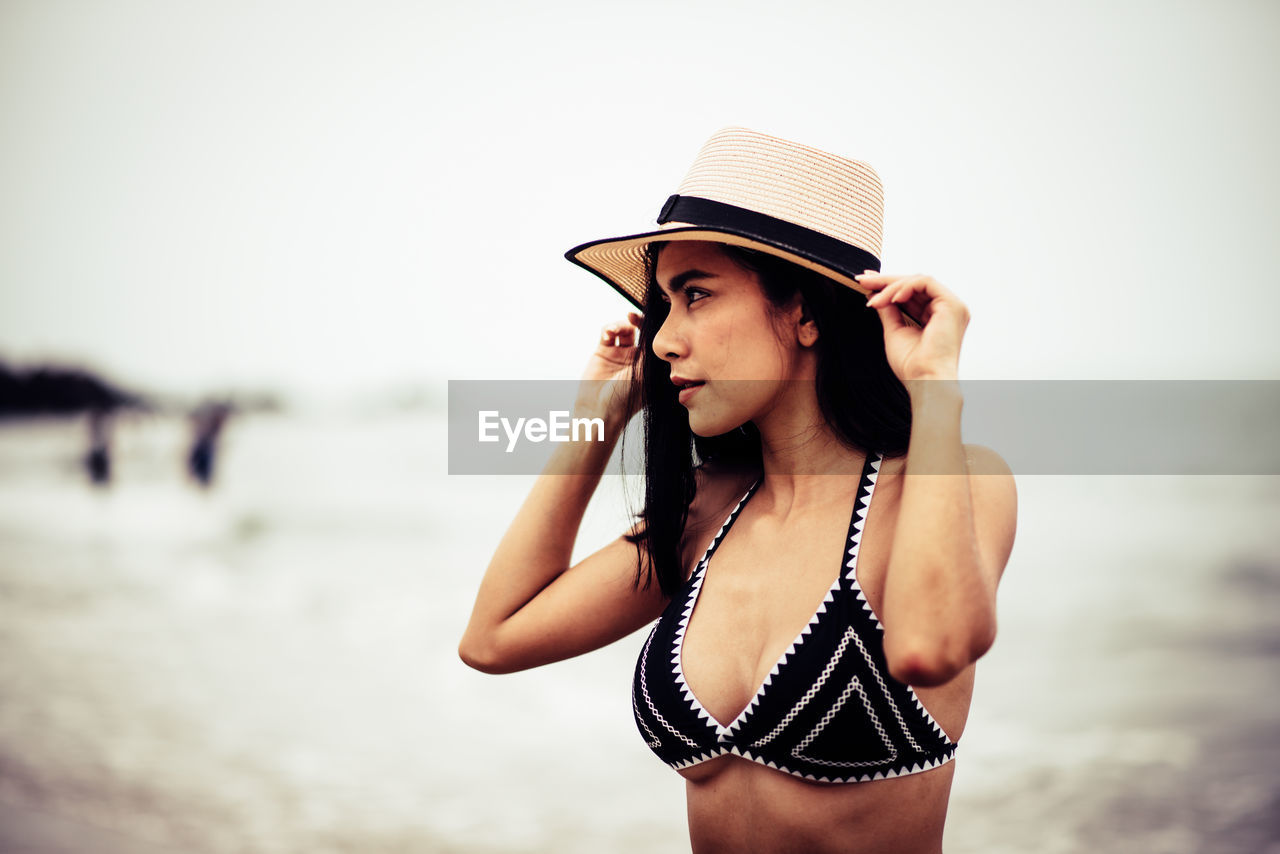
[{"x": 832, "y": 195}]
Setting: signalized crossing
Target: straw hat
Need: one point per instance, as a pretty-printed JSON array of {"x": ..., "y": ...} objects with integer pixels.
[{"x": 749, "y": 189}]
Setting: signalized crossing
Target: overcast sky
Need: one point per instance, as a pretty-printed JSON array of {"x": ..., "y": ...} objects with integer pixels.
[{"x": 344, "y": 196}]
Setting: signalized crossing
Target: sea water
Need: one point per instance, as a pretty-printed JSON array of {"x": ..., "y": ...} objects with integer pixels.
[{"x": 270, "y": 665}]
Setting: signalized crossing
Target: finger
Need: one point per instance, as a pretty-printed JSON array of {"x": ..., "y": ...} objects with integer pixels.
[
  {"x": 872, "y": 283},
  {"x": 920, "y": 282},
  {"x": 636, "y": 321},
  {"x": 626, "y": 337},
  {"x": 631, "y": 333},
  {"x": 874, "y": 280},
  {"x": 612, "y": 330},
  {"x": 929, "y": 297},
  {"x": 914, "y": 301},
  {"x": 881, "y": 291},
  {"x": 612, "y": 334},
  {"x": 901, "y": 301},
  {"x": 928, "y": 287},
  {"x": 876, "y": 276},
  {"x": 889, "y": 293},
  {"x": 905, "y": 288},
  {"x": 925, "y": 313},
  {"x": 912, "y": 297},
  {"x": 891, "y": 318}
]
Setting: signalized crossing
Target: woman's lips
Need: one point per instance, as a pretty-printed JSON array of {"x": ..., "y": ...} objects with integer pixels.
[{"x": 688, "y": 392}]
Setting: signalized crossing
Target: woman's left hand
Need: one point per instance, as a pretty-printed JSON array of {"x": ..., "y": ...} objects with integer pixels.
[{"x": 930, "y": 352}]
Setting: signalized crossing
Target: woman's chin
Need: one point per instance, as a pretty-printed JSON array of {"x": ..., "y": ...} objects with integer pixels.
[{"x": 708, "y": 428}]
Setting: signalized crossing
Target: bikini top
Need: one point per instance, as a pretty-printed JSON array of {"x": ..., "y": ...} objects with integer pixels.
[{"x": 828, "y": 711}]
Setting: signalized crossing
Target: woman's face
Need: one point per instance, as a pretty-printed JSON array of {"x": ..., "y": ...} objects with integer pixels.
[{"x": 723, "y": 333}]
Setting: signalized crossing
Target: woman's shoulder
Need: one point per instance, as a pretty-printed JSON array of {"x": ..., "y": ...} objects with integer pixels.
[{"x": 983, "y": 460}]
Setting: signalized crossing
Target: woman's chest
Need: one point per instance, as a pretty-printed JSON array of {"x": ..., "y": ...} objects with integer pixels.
[
  {"x": 764, "y": 593},
  {"x": 760, "y": 602}
]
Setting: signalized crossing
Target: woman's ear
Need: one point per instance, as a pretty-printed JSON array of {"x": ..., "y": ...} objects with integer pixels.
[{"x": 806, "y": 328}]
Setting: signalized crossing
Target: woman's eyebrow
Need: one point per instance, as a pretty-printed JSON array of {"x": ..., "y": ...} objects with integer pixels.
[{"x": 681, "y": 281}]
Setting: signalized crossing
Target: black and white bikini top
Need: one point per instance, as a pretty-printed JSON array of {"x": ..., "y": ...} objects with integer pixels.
[{"x": 828, "y": 711}]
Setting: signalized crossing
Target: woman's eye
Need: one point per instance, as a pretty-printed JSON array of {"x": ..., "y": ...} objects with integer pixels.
[{"x": 691, "y": 295}]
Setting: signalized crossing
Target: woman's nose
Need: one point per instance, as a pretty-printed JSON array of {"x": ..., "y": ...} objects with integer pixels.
[{"x": 668, "y": 343}]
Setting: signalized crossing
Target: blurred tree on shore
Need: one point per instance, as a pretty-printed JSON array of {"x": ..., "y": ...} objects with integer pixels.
[{"x": 52, "y": 390}]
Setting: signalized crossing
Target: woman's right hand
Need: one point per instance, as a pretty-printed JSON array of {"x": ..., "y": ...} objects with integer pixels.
[{"x": 606, "y": 383}]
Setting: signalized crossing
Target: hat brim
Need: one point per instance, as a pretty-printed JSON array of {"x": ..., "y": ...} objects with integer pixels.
[{"x": 620, "y": 261}]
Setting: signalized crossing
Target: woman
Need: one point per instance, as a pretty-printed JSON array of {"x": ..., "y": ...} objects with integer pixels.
[{"x": 812, "y": 682}]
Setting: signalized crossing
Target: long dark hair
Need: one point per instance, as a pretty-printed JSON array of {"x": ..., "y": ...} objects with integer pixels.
[{"x": 861, "y": 398}]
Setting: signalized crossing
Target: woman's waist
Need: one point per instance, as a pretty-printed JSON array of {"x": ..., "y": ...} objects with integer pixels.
[{"x": 738, "y": 805}]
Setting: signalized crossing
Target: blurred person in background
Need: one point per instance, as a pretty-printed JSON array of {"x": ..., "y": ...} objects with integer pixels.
[
  {"x": 97, "y": 460},
  {"x": 206, "y": 429}
]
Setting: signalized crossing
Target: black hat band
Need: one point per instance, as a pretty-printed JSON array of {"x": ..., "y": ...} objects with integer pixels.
[{"x": 804, "y": 242}]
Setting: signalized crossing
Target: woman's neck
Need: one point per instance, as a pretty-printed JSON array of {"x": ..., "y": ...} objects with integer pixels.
[{"x": 800, "y": 451}]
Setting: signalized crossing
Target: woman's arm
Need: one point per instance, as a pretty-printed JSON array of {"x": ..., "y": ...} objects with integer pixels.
[
  {"x": 955, "y": 529},
  {"x": 958, "y": 510},
  {"x": 532, "y": 607}
]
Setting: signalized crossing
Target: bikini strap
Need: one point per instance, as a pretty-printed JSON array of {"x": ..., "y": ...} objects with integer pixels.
[
  {"x": 724, "y": 528},
  {"x": 858, "y": 519}
]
